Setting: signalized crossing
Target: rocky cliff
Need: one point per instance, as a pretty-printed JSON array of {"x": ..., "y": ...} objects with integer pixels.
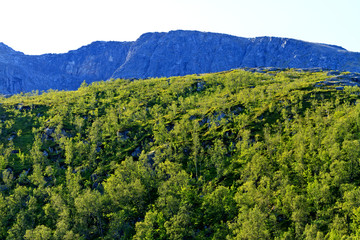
[
  {"x": 24, "y": 73},
  {"x": 164, "y": 54}
]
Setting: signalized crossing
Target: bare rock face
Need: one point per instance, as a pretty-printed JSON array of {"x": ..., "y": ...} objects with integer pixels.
[
  {"x": 180, "y": 53},
  {"x": 188, "y": 52},
  {"x": 163, "y": 55},
  {"x": 24, "y": 73}
]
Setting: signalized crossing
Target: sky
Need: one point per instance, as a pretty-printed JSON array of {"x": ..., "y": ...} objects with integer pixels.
[{"x": 57, "y": 26}]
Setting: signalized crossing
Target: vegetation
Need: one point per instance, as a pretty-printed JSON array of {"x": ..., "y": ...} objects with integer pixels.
[{"x": 231, "y": 155}]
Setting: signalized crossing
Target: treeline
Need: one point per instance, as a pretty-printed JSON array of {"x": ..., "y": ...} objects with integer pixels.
[{"x": 232, "y": 155}]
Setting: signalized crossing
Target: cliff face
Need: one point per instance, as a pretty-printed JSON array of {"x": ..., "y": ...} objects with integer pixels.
[
  {"x": 184, "y": 52},
  {"x": 24, "y": 73},
  {"x": 181, "y": 53},
  {"x": 164, "y": 54}
]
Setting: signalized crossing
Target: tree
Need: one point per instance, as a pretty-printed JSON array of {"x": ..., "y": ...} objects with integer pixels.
[
  {"x": 311, "y": 232},
  {"x": 73, "y": 186},
  {"x": 217, "y": 157},
  {"x": 170, "y": 193},
  {"x": 160, "y": 133},
  {"x": 41, "y": 232},
  {"x": 89, "y": 220},
  {"x": 218, "y": 206},
  {"x": 338, "y": 229},
  {"x": 37, "y": 156},
  {"x": 3, "y": 217},
  {"x": 180, "y": 226},
  {"x": 8, "y": 177},
  {"x": 196, "y": 146},
  {"x": 152, "y": 227},
  {"x": 4, "y": 157},
  {"x": 37, "y": 178},
  {"x": 250, "y": 224}
]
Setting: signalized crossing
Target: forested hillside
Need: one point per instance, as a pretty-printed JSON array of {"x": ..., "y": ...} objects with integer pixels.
[{"x": 230, "y": 155}]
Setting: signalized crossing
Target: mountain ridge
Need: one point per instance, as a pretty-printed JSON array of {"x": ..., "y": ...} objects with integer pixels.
[{"x": 164, "y": 54}]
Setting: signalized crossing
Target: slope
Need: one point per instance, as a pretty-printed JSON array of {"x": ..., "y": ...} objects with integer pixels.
[{"x": 226, "y": 155}]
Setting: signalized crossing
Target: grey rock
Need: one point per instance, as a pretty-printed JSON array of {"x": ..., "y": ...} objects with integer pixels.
[
  {"x": 123, "y": 135},
  {"x": 236, "y": 110},
  {"x": 49, "y": 131},
  {"x": 94, "y": 177},
  {"x": 350, "y": 77},
  {"x": 3, "y": 188},
  {"x": 220, "y": 116},
  {"x": 151, "y": 157},
  {"x": 333, "y": 73},
  {"x": 164, "y": 55},
  {"x": 339, "y": 81},
  {"x": 12, "y": 137},
  {"x": 169, "y": 127},
  {"x": 180, "y": 53},
  {"x": 136, "y": 152},
  {"x": 98, "y": 149},
  {"x": 217, "y": 118},
  {"x": 200, "y": 86},
  {"x": 188, "y": 52},
  {"x": 204, "y": 121},
  {"x": 25, "y": 73},
  {"x": 193, "y": 117}
]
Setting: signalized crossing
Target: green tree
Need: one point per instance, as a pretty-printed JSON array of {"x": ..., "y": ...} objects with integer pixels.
[
  {"x": 89, "y": 220},
  {"x": 152, "y": 227},
  {"x": 37, "y": 177},
  {"x": 250, "y": 224},
  {"x": 180, "y": 226},
  {"x": 218, "y": 206},
  {"x": 3, "y": 217},
  {"x": 41, "y": 232},
  {"x": 217, "y": 157}
]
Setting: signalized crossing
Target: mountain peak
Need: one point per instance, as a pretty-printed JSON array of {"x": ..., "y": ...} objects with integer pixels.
[{"x": 5, "y": 48}]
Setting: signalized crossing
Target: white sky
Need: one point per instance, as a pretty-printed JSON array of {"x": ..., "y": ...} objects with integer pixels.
[{"x": 53, "y": 26}]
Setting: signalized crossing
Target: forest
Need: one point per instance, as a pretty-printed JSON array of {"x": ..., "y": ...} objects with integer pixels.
[{"x": 228, "y": 155}]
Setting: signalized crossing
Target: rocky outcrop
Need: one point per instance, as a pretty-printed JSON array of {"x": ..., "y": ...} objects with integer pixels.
[
  {"x": 188, "y": 52},
  {"x": 163, "y": 55},
  {"x": 340, "y": 80},
  {"x": 24, "y": 73},
  {"x": 180, "y": 53}
]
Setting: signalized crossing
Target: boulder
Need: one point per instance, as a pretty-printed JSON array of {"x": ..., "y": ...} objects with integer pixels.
[
  {"x": 123, "y": 135},
  {"x": 136, "y": 152}
]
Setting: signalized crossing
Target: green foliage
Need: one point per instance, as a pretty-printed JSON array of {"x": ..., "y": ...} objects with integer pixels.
[{"x": 230, "y": 155}]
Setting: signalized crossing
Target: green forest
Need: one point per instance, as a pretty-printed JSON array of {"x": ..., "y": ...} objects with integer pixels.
[{"x": 229, "y": 155}]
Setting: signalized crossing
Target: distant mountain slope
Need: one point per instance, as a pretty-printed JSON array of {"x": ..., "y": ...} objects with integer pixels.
[
  {"x": 164, "y": 54},
  {"x": 24, "y": 73},
  {"x": 185, "y": 52}
]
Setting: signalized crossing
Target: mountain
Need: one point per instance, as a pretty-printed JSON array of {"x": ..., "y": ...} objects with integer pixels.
[
  {"x": 24, "y": 73},
  {"x": 184, "y": 52},
  {"x": 163, "y": 55}
]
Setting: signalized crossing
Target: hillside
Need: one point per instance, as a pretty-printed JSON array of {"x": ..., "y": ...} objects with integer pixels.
[
  {"x": 175, "y": 53},
  {"x": 228, "y": 155}
]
